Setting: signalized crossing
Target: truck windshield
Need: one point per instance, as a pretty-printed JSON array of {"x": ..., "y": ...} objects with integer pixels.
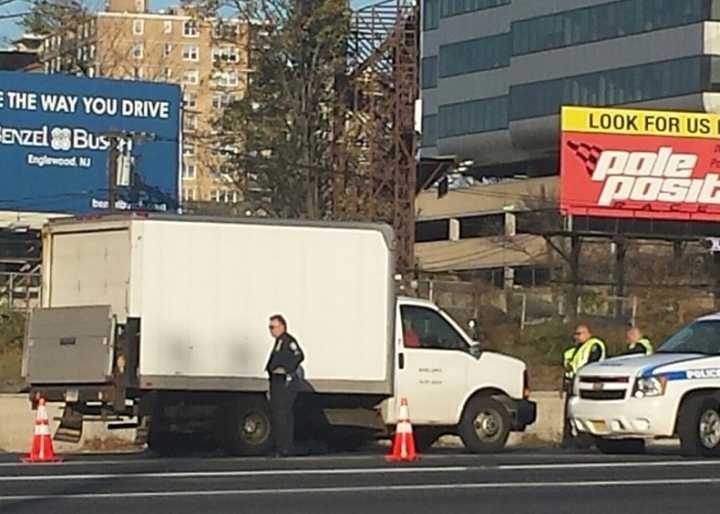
[{"x": 697, "y": 337}]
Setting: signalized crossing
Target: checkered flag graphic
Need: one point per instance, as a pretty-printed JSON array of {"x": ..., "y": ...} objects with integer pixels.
[{"x": 589, "y": 154}]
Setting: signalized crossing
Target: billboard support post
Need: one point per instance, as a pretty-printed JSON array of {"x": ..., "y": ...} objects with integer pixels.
[
  {"x": 620, "y": 251},
  {"x": 113, "y": 155}
]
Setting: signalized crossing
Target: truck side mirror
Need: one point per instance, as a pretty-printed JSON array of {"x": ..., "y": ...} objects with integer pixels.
[{"x": 476, "y": 351}]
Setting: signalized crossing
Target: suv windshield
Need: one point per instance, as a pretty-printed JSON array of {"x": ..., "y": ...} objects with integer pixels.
[{"x": 697, "y": 337}]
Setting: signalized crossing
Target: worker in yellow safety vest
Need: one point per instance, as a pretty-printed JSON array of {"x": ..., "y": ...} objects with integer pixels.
[
  {"x": 587, "y": 349},
  {"x": 637, "y": 342}
]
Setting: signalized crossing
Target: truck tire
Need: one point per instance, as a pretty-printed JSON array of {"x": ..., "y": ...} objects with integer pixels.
[
  {"x": 698, "y": 426},
  {"x": 620, "y": 446},
  {"x": 246, "y": 427},
  {"x": 485, "y": 425}
]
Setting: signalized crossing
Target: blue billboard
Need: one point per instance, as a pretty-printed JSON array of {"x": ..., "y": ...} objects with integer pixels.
[{"x": 56, "y": 132}]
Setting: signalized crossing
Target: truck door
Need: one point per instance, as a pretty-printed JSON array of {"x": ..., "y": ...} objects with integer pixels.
[{"x": 432, "y": 364}]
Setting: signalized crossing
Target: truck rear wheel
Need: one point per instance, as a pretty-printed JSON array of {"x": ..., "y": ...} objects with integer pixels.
[
  {"x": 246, "y": 427},
  {"x": 485, "y": 425},
  {"x": 620, "y": 446},
  {"x": 698, "y": 426}
]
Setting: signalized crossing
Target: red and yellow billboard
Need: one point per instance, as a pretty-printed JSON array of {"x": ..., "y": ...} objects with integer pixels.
[{"x": 640, "y": 164}]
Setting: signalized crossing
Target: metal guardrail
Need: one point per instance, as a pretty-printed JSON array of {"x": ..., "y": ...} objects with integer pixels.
[{"x": 20, "y": 291}]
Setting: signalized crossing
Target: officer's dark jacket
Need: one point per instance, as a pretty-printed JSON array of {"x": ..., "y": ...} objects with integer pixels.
[{"x": 286, "y": 354}]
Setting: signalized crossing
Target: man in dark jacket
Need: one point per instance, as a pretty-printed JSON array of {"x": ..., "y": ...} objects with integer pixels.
[{"x": 282, "y": 369}]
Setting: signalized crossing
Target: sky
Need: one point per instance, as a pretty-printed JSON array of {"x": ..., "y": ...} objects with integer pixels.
[{"x": 9, "y": 30}]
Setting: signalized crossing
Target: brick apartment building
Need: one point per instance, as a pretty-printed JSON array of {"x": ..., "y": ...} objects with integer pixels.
[{"x": 209, "y": 58}]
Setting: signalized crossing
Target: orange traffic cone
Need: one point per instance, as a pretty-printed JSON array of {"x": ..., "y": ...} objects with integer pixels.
[
  {"x": 41, "y": 449},
  {"x": 403, "y": 448}
]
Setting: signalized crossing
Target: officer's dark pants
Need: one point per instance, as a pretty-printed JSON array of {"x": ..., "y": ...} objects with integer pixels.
[{"x": 282, "y": 399}]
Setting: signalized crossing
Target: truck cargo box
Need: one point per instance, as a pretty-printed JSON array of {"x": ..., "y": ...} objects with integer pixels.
[{"x": 202, "y": 291}]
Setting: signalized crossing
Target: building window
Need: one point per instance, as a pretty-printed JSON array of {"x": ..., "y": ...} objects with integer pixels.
[
  {"x": 429, "y": 72},
  {"x": 431, "y": 14},
  {"x": 137, "y": 50},
  {"x": 225, "y": 30},
  {"x": 92, "y": 52},
  {"x": 226, "y": 78},
  {"x": 473, "y": 117},
  {"x": 188, "y": 194},
  {"x": 190, "y": 29},
  {"x": 221, "y": 100},
  {"x": 605, "y": 21},
  {"x": 224, "y": 196},
  {"x": 429, "y": 130},
  {"x": 455, "y": 7},
  {"x": 191, "y": 121},
  {"x": 167, "y": 27},
  {"x": 138, "y": 27},
  {"x": 190, "y": 53},
  {"x": 610, "y": 87},
  {"x": 137, "y": 73},
  {"x": 191, "y": 77},
  {"x": 47, "y": 67},
  {"x": 188, "y": 171},
  {"x": 189, "y": 100},
  {"x": 167, "y": 50},
  {"x": 91, "y": 71},
  {"x": 226, "y": 54},
  {"x": 168, "y": 73},
  {"x": 188, "y": 150},
  {"x": 475, "y": 55}
]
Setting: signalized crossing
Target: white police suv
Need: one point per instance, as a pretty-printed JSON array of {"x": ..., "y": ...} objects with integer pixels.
[{"x": 624, "y": 401}]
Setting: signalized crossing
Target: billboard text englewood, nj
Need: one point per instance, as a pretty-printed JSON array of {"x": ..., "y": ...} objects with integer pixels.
[
  {"x": 640, "y": 164},
  {"x": 55, "y": 135}
]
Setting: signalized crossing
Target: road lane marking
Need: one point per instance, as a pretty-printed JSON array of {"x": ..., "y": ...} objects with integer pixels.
[
  {"x": 363, "y": 489},
  {"x": 243, "y": 473},
  {"x": 633, "y": 464}
]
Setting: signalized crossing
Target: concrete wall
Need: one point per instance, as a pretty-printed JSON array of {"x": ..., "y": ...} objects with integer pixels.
[{"x": 17, "y": 423}]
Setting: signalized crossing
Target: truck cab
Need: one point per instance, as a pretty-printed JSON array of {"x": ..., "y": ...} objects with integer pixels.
[
  {"x": 453, "y": 385},
  {"x": 628, "y": 400}
]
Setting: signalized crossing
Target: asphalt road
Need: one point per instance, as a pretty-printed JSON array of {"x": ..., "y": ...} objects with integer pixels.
[{"x": 514, "y": 482}]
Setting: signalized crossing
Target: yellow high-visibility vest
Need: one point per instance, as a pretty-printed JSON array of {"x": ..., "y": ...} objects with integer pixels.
[
  {"x": 645, "y": 343},
  {"x": 576, "y": 357}
]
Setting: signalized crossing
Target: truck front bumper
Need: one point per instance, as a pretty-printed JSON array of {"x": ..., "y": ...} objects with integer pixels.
[
  {"x": 632, "y": 417},
  {"x": 523, "y": 413}
]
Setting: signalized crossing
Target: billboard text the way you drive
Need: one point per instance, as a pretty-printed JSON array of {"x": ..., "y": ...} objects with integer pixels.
[{"x": 55, "y": 136}]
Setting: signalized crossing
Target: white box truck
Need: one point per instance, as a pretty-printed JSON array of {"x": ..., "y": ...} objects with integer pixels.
[{"x": 164, "y": 319}]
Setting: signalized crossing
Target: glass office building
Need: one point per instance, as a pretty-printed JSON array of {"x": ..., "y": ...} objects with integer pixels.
[{"x": 495, "y": 72}]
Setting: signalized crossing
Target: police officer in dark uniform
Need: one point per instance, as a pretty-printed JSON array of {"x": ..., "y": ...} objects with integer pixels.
[{"x": 282, "y": 368}]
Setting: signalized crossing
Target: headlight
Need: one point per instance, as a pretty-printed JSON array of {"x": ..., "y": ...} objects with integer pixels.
[{"x": 651, "y": 386}]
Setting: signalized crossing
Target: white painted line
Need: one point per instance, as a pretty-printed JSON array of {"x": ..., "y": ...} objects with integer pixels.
[
  {"x": 244, "y": 473},
  {"x": 309, "y": 458},
  {"x": 634, "y": 464},
  {"x": 363, "y": 489}
]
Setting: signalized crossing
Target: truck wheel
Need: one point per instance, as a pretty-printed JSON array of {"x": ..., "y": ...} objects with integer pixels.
[
  {"x": 165, "y": 444},
  {"x": 620, "y": 446},
  {"x": 698, "y": 426},
  {"x": 485, "y": 425},
  {"x": 246, "y": 427}
]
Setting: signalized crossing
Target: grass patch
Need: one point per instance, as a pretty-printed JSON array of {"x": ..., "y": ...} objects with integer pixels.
[{"x": 12, "y": 328}]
